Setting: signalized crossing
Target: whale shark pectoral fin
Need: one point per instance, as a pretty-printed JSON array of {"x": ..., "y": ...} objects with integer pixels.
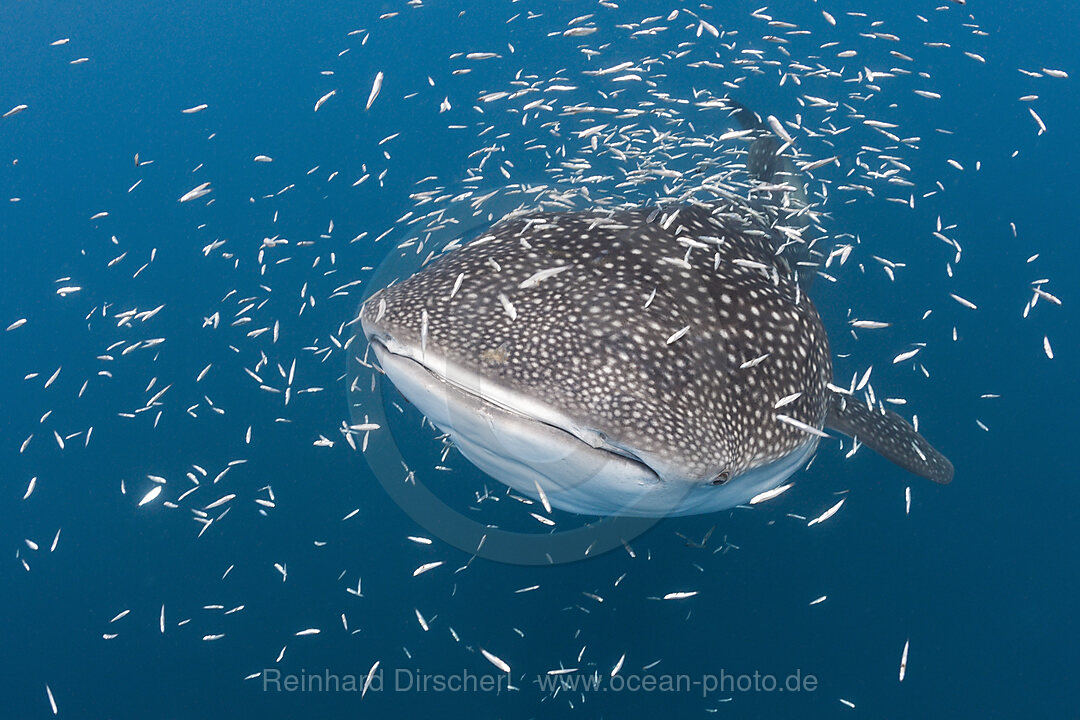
[{"x": 890, "y": 436}]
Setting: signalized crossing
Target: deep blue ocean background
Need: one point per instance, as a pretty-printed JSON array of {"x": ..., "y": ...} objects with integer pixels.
[{"x": 981, "y": 576}]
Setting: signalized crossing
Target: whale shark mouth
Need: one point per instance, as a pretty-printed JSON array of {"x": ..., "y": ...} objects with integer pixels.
[
  {"x": 523, "y": 443},
  {"x": 461, "y": 380},
  {"x": 469, "y": 391}
]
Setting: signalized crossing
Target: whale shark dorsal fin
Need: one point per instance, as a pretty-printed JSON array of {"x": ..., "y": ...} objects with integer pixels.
[
  {"x": 768, "y": 161},
  {"x": 890, "y": 436},
  {"x": 762, "y": 162}
]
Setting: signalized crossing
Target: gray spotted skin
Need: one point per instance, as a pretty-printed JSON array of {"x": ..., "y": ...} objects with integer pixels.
[{"x": 588, "y": 341}]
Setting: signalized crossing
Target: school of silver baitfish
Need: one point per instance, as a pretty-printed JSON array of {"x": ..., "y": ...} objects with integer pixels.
[{"x": 608, "y": 134}]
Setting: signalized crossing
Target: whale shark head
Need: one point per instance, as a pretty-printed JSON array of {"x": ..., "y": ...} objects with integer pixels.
[{"x": 624, "y": 362}]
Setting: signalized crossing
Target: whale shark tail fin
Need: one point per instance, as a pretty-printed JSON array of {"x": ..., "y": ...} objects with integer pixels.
[{"x": 890, "y": 436}]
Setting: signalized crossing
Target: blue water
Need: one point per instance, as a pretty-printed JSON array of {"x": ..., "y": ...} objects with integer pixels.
[{"x": 980, "y": 577}]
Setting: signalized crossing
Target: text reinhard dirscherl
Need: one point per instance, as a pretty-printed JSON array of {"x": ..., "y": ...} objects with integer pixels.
[{"x": 413, "y": 680}]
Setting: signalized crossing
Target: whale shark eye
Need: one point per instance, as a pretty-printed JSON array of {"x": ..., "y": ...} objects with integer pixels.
[{"x": 721, "y": 478}]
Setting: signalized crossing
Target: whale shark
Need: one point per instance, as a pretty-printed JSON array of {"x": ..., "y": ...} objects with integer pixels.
[{"x": 640, "y": 361}]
